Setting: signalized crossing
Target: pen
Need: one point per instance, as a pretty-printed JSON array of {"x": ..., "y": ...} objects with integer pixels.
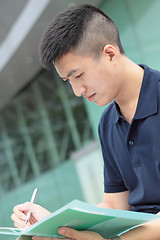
[{"x": 32, "y": 201}]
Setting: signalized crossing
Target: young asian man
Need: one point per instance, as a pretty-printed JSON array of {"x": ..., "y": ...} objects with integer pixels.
[{"x": 84, "y": 46}]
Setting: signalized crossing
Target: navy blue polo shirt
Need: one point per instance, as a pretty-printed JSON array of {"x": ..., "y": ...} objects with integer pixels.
[{"x": 131, "y": 152}]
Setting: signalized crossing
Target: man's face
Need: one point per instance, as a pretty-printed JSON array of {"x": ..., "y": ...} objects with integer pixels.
[{"x": 93, "y": 78}]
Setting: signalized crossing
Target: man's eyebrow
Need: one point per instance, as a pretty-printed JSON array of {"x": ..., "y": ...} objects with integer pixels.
[{"x": 71, "y": 72}]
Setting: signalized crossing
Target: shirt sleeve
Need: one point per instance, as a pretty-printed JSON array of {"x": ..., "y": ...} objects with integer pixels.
[{"x": 113, "y": 181}]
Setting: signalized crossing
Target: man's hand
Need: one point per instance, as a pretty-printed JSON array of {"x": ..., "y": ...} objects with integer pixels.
[
  {"x": 20, "y": 211},
  {"x": 74, "y": 235}
]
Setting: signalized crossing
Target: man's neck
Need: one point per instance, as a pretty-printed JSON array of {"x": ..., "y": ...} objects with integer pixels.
[{"x": 132, "y": 81}]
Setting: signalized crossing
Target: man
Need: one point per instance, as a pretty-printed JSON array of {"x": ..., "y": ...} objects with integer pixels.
[{"x": 83, "y": 44}]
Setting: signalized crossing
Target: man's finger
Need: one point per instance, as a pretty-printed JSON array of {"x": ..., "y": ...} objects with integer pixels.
[
  {"x": 27, "y": 206},
  {"x": 73, "y": 234},
  {"x": 70, "y": 233},
  {"x": 18, "y": 213},
  {"x": 17, "y": 222},
  {"x": 79, "y": 235}
]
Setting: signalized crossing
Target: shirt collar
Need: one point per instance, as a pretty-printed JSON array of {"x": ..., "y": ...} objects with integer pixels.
[
  {"x": 147, "y": 103},
  {"x": 115, "y": 114}
]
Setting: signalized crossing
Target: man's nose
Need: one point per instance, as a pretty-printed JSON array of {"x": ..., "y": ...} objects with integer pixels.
[{"x": 78, "y": 90}]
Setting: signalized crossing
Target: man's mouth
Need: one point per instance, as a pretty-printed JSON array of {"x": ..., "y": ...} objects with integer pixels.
[{"x": 91, "y": 97}]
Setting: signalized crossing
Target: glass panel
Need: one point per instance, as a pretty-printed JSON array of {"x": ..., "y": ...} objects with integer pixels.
[{"x": 39, "y": 130}]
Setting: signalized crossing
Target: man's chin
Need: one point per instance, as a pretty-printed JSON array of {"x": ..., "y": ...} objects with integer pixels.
[{"x": 100, "y": 104}]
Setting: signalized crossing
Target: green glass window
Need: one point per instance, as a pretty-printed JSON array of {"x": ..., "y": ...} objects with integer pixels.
[{"x": 39, "y": 129}]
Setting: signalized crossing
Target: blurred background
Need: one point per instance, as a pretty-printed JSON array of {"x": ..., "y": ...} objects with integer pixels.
[{"x": 48, "y": 137}]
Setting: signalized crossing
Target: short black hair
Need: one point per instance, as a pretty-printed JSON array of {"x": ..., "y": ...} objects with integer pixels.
[{"x": 84, "y": 26}]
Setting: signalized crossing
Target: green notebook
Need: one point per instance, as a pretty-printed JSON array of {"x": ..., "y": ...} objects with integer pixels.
[{"x": 83, "y": 216}]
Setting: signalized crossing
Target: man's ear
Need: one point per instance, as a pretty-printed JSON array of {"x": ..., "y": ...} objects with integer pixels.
[{"x": 110, "y": 51}]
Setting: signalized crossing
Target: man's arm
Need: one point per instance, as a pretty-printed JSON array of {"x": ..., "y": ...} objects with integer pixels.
[{"x": 116, "y": 201}]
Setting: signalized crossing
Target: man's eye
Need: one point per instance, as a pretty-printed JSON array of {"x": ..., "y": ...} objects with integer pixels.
[{"x": 79, "y": 75}]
